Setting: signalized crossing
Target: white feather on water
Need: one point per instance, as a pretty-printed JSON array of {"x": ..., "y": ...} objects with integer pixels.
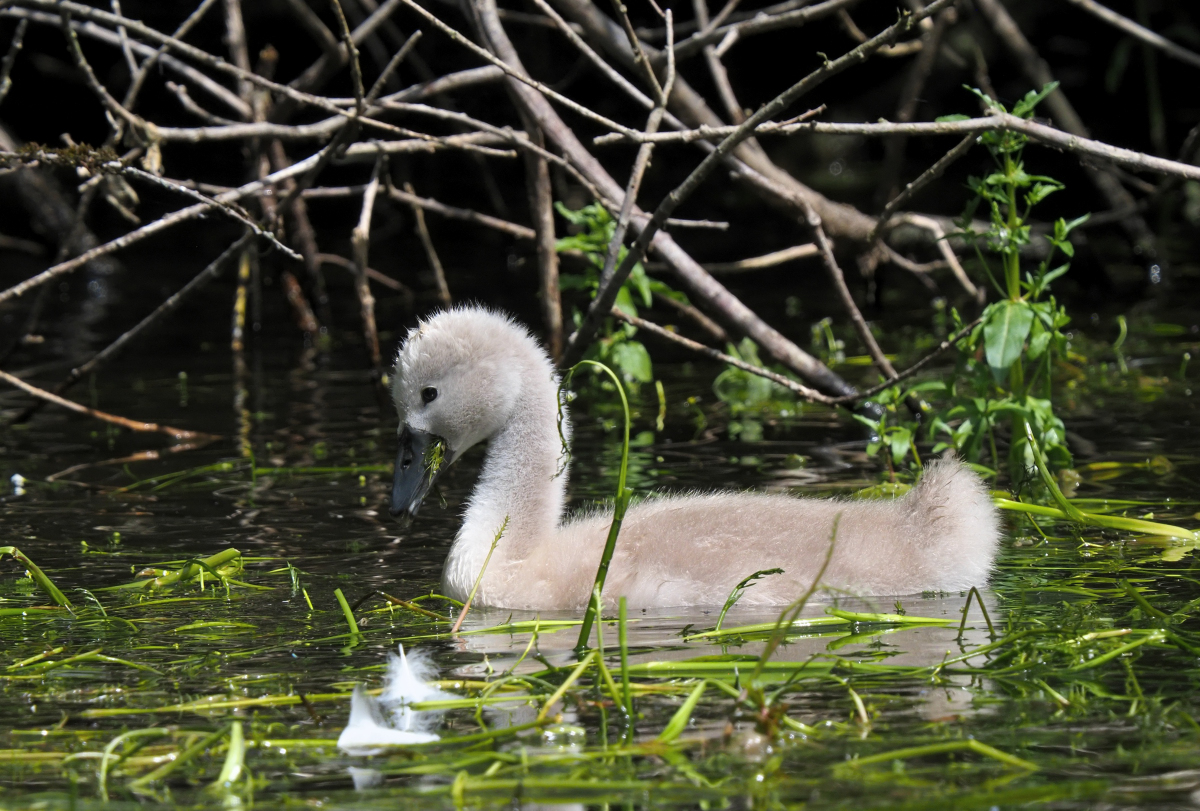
[{"x": 390, "y": 720}]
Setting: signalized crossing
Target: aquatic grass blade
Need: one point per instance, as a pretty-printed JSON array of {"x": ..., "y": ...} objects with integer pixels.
[
  {"x": 789, "y": 614},
  {"x": 347, "y": 612},
  {"x": 184, "y": 757},
  {"x": 970, "y": 745},
  {"x": 623, "y": 641},
  {"x": 1069, "y": 510},
  {"x": 679, "y": 720},
  {"x": 462, "y": 615},
  {"x": 566, "y": 685},
  {"x": 739, "y": 590},
  {"x": 212, "y": 564},
  {"x": 622, "y": 502},
  {"x": 102, "y": 780},
  {"x": 38, "y": 576},
  {"x": 235, "y": 761}
]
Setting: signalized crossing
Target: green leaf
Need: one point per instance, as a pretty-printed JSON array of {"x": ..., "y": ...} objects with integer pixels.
[
  {"x": 639, "y": 281},
  {"x": 1039, "y": 339},
  {"x": 632, "y": 359},
  {"x": 900, "y": 441},
  {"x": 1004, "y": 332},
  {"x": 948, "y": 119},
  {"x": 987, "y": 100},
  {"x": 1040, "y": 192},
  {"x": 1051, "y": 275},
  {"x": 624, "y": 302},
  {"x": 1024, "y": 108},
  {"x": 1068, "y": 227},
  {"x": 679, "y": 720}
]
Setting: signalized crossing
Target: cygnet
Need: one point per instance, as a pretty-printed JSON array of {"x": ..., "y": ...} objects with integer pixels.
[{"x": 469, "y": 375}]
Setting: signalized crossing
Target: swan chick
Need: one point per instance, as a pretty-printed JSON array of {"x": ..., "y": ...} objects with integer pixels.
[{"x": 470, "y": 375}]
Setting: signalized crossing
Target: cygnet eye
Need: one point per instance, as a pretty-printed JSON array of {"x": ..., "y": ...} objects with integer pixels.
[{"x": 429, "y": 394}]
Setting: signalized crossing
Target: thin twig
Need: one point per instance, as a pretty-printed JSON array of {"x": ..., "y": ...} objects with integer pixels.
[
  {"x": 389, "y": 69},
  {"x": 767, "y": 260},
  {"x": 241, "y": 217},
  {"x": 126, "y": 51},
  {"x": 545, "y": 90},
  {"x": 352, "y": 54},
  {"x": 61, "y": 7},
  {"x": 715, "y": 332},
  {"x": 139, "y": 78},
  {"x": 133, "y": 425},
  {"x": 699, "y": 285},
  {"x": 640, "y": 61},
  {"x": 839, "y": 283},
  {"x": 317, "y": 29},
  {"x": 608, "y": 70},
  {"x": 361, "y": 241},
  {"x": 996, "y": 121},
  {"x": 910, "y": 95},
  {"x": 741, "y": 133},
  {"x": 924, "y": 179},
  {"x": 610, "y": 279},
  {"x": 6, "y": 66},
  {"x": 372, "y": 274},
  {"x": 1139, "y": 32},
  {"x": 541, "y": 207},
  {"x": 452, "y": 212},
  {"x": 943, "y": 245},
  {"x": 812, "y": 395},
  {"x": 808, "y": 394},
  {"x": 110, "y": 104},
  {"x": 759, "y": 25},
  {"x": 210, "y": 272},
  {"x": 435, "y": 263}
]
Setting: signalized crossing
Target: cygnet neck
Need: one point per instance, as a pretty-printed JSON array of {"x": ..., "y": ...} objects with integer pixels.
[{"x": 523, "y": 479}]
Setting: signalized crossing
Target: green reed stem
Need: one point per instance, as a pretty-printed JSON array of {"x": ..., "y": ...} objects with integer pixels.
[
  {"x": 1142, "y": 602},
  {"x": 184, "y": 757},
  {"x": 184, "y": 573},
  {"x": 566, "y": 685},
  {"x": 974, "y": 593},
  {"x": 235, "y": 760},
  {"x": 40, "y": 578},
  {"x": 679, "y": 720},
  {"x": 1070, "y": 511},
  {"x": 601, "y": 667},
  {"x": 789, "y": 614},
  {"x": 346, "y": 612},
  {"x": 623, "y": 642},
  {"x": 941, "y": 748},
  {"x": 156, "y": 732},
  {"x": 462, "y": 615},
  {"x": 622, "y": 503}
]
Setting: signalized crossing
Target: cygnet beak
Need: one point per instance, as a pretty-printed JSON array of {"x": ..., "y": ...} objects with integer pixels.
[{"x": 419, "y": 461}]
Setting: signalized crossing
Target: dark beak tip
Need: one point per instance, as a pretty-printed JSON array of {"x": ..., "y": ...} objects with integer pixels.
[{"x": 412, "y": 481}]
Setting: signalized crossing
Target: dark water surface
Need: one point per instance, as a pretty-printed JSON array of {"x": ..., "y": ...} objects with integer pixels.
[{"x": 309, "y": 515}]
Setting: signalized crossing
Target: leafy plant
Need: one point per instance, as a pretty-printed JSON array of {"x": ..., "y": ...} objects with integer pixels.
[
  {"x": 745, "y": 392},
  {"x": 1004, "y": 372},
  {"x": 616, "y": 344}
]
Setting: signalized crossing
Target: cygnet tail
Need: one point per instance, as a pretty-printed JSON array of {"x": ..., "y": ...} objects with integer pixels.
[{"x": 957, "y": 525}]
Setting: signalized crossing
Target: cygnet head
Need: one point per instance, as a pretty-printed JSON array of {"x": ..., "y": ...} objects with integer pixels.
[{"x": 457, "y": 379}]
